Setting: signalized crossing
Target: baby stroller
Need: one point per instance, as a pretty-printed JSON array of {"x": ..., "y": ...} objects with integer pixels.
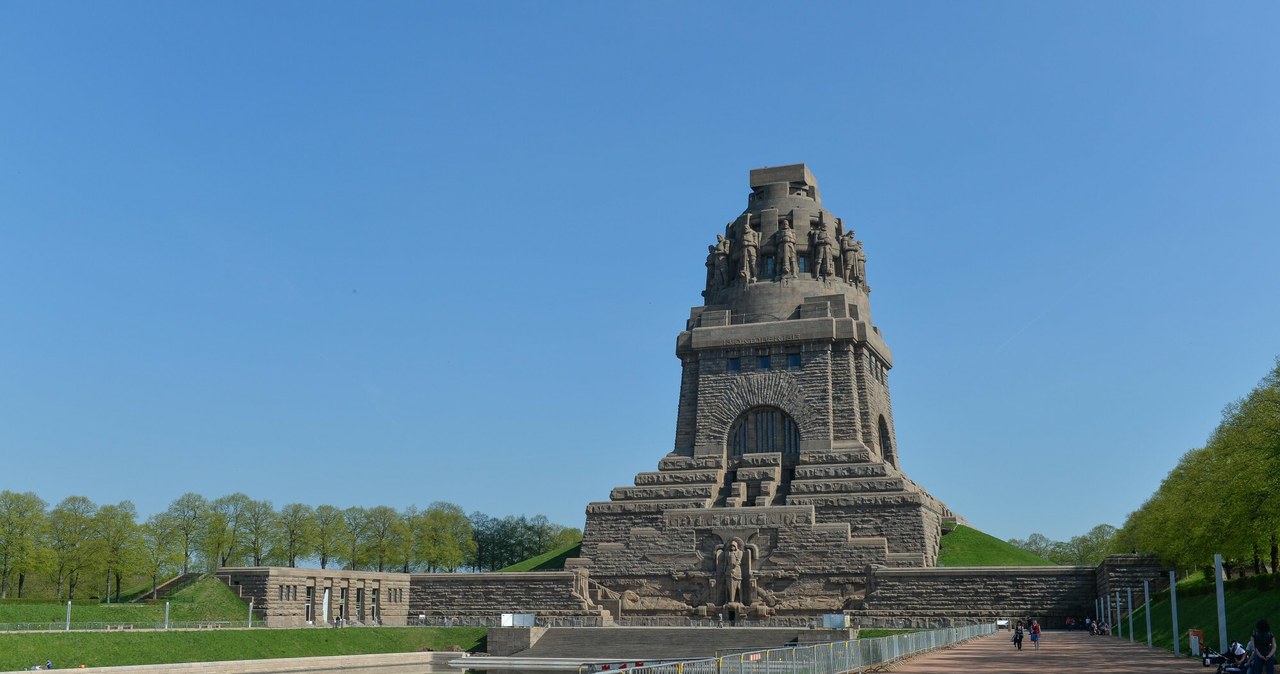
[{"x": 1226, "y": 663}]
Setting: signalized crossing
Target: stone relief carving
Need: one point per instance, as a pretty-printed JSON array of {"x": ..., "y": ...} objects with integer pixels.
[{"x": 735, "y": 571}]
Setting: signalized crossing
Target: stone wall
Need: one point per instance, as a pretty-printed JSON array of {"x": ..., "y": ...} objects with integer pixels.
[
  {"x": 1118, "y": 573},
  {"x": 940, "y": 597},
  {"x": 549, "y": 594}
]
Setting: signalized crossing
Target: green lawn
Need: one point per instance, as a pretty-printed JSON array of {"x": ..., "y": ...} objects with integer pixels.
[
  {"x": 208, "y": 599},
  {"x": 1199, "y": 610},
  {"x": 100, "y": 649},
  {"x": 965, "y": 546},
  {"x": 547, "y": 561}
]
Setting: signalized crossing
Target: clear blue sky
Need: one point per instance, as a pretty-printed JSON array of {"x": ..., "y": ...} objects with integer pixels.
[{"x": 392, "y": 253}]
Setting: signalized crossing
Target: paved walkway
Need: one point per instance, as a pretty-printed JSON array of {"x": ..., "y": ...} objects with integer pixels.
[{"x": 1059, "y": 652}]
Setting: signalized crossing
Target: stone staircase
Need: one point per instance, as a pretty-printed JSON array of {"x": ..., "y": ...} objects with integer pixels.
[
  {"x": 168, "y": 587},
  {"x": 662, "y": 643}
]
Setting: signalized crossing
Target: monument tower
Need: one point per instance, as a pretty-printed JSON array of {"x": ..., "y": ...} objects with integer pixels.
[{"x": 783, "y": 487}]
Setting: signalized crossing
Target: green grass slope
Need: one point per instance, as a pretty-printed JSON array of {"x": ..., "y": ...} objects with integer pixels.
[
  {"x": 548, "y": 561},
  {"x": 1247, "y": 601},
  {"x": 965, "y": 546},
  {"x": 100, "y": 649},
  {"x": 206, "y": 600}
]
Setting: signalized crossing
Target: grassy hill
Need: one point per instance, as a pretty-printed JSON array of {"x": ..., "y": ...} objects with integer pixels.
[
  {"x": 965, "y": 546},
  {"x": 548, "y": 561},
  {"x": 1247, "y": 600},
  {"x": 206, "y": 600},
  {"x": 101, "y": 649}
]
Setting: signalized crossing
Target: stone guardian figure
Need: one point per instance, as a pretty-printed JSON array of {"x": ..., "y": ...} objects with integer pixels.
[
  {"x": 860, "y": 266},
  {"x": 750, "y": 249},
  {"x": 731, "y": 570},
  {"x": 722, "y": 260},
  {"x": 849, "y": 258},
  {"x": 823, "y": 264},
  {"x": 788, "y": 263}
]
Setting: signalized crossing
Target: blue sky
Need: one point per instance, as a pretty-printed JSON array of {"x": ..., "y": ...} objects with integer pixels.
[{"x": 393, "y": 253}]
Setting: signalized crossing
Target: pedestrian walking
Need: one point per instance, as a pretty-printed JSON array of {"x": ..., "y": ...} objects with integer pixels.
[
  {"x": 1017, "y": 636},
  {"x": 1035, "y": 634}
]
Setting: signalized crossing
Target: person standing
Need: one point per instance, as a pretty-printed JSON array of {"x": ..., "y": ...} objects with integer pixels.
[
  {"x": 1263, "y": 644},
  {"x": 1017, "y": 636},
  {"x": 1035, "y": 634}
]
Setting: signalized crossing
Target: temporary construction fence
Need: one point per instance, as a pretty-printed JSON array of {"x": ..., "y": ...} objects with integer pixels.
[{"x": 835, "y": 657}]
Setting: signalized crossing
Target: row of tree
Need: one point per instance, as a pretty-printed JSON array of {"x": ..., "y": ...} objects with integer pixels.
[
  {"x": 1086, "y": 549},
  {"x": 55, "y": 548},
  {"x": 1223, "y": 497}
]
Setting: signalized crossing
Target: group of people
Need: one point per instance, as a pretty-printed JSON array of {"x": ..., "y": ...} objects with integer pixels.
[
  {"x": 1259, "y": 657},
  {"x": 1019, "y": 631}
]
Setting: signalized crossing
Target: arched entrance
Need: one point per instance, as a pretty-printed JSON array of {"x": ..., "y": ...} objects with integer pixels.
[
  {"x": 886, "y": 444},
  {"x": 765, "y": 430}
]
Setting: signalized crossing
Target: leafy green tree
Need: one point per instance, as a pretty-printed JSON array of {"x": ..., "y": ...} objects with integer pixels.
[
  {"x": 68, "y": 539},
  {"x": 21, "y": 520},
  {"x": 22, "y": 517},
  {"x": 224, "y": 528},
  {"x": 385, "y": 537},
  {"x": 188, "y": 514},
  {"x": 442, "y": 538},
  {"x": 117, "y": 542},
  {"x": 355, "y": 528},
  {"x": 161, "y": 547},
  {"x": 330, "y": 523},
  {"x": 296, "y": 531},
  {"x": 258, "y": 524}
]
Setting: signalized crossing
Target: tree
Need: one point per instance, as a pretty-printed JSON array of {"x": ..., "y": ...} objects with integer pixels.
[
  {"x": 161, "y": 547},
  {"x": 442, "y": 538},
  {"x": 224, "y": 526},
  {"x": 330, "y": 524},
  {"x": 116, "y": 541},
  {"x": 68, "y": 538},
  {"x": 188, "y": 513},
  {"x": 355, "y": 527},
  {"x": 296, "y": 531},
  {"x": 21, "y": 520},
  {"x": 385, "y": 536},
  {"x": 259, "y": 525}
]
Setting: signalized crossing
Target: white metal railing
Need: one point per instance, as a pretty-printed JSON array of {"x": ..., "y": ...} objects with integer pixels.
[{"x": 835, "y": 657}]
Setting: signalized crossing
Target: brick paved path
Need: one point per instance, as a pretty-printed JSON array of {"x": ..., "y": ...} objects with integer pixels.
[{"x": 1059, "y": 652}]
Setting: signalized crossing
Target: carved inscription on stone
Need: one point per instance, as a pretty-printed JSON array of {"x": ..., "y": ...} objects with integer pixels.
[{"x": 739, "y": 517}]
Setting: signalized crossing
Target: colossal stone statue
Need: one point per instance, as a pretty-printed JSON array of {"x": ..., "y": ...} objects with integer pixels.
[
  {"x": 786, "y": 250},
  {"x": 849, "y": 258},
  {"x": 860, "y": 266},
  {"x": 731, "y": 571},
  {"x": 750, "y": 249},
  {"x": 823, "y": 264}
]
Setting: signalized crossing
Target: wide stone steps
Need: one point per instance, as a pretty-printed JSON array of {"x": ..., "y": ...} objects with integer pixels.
[
  {"x": 675, "y": 477},
  {"x": 849, "y": 486}
]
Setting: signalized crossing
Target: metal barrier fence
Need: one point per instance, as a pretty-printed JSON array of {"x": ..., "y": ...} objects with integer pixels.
[
  {"x": 61, "y": 626},
  {"x": 826, "y": 658}
]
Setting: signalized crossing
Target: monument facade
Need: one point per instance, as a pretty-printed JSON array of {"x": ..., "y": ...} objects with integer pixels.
[{"x": 783, "y": 489}]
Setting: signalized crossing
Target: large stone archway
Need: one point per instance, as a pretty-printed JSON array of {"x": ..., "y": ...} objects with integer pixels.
[{"x": 737, "y": 395}]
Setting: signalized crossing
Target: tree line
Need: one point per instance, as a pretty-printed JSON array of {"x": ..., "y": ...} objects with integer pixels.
[
  {"x": 54, "y": 552},
  {"x": 1221, "y": 498},
  {"x": 1086, "y": 549}
]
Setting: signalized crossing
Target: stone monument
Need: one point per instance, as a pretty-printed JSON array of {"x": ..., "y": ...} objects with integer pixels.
[{"x": 783, "y": 490}]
